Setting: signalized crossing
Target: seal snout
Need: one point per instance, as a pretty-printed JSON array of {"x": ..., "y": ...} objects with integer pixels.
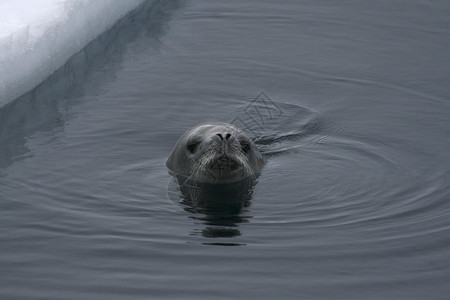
[
  {"x": 225, "y": 141},
  {"x": 222, "y": 135}
]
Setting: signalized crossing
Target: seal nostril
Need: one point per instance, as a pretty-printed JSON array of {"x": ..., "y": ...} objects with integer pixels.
[
  {"x": 219, "y": 135},
  {"x": 227, "y": 136}
]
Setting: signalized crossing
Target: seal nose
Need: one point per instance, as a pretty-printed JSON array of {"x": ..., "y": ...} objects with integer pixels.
[{"x": 227, "y": 136}]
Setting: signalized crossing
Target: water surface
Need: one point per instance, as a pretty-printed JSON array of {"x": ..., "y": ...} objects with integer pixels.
[{"x": 348, "y": 101}]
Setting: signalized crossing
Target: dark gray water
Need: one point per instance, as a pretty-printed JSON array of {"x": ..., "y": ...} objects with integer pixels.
[{"x": 354, "y": 120}]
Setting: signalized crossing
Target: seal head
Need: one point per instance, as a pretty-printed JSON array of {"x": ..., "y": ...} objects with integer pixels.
[{"x": 215, "y": 153}]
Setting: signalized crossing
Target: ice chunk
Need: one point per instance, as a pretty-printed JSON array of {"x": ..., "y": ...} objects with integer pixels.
[{"x": 38, "y": 36}]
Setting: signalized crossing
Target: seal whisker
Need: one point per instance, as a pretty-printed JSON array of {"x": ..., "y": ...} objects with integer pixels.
[
  {"x": 243, "y": 160},
  {"x": 199, "y": 166}
]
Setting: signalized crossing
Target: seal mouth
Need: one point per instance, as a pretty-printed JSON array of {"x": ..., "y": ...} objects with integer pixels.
[{"x": 224, "y": 163}]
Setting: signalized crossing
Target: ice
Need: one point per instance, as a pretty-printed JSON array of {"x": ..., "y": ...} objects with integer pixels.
[{"x": 38, "y": 36}]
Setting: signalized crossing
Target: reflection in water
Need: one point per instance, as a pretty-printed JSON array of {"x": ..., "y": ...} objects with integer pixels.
[
  {"x": 46, "y": 107},
  {"x": 220, "y": 207}
]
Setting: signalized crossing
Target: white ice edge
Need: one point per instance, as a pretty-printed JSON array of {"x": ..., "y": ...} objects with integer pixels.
[{"x": 37, "y": 37}]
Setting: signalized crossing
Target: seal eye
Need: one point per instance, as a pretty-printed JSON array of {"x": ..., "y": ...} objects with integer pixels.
[
  {"x": 245, "y": 146},
  {"x": 192, "y": 147}
]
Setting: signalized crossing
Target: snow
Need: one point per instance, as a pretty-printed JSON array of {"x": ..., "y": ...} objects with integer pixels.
[{"x": 38, "y": 36}]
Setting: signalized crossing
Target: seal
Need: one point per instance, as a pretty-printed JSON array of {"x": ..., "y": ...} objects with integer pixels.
[{"x": 215, "y": 153}]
